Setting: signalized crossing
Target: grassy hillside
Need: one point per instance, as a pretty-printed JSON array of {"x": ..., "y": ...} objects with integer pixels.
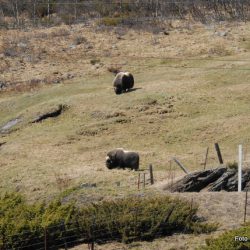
[
  {"x": 174, "y": 112},
  {"x": 180, "y": 106}
]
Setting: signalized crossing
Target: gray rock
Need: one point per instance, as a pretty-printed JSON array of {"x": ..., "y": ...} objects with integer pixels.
[
  {"x": 88, "y": 185},
  {"x": 2, "y": 85},
  {"x": 221, "y": 33},
  {"x": 72, "y": 46},
  {"x": 10, "y": 124},
  {"x": 22, "y": 45}
]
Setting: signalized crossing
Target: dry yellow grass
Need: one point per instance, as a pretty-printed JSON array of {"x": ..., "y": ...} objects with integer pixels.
[
  {"x": 173, "y": 108},
  {"x": 51, "y": 54}
]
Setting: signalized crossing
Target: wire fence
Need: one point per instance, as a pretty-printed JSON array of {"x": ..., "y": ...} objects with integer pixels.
[
  {"x": 81, "y": 11},
  {"x": 64, "y": 236},
  {"x": 67, "y": 233}
]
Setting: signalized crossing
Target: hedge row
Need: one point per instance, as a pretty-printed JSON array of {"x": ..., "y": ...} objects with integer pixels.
[{"x": 24, "y": 225}]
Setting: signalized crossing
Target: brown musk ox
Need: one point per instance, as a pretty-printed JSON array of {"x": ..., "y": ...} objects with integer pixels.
[
  {"x": 123, "y": 82},
  {"x": 119, "y": 158}
]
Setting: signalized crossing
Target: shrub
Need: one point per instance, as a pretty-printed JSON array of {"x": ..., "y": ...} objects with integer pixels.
[
  {"x": 128, "y": 219},
  {"x": 114, "y": 69},
  {"x": 79, "y": 40},
  {"x": 111, "y": 21},
  {"x": 19, "y": 223},
  {"x": 232, "y": 165},
  {"x": 227, "y": 240},
  {"x": 61, "y": 32},
  {"x": 95, "y": 61}
]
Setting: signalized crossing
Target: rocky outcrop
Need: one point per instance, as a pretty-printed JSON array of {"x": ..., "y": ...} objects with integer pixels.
[
  {"x": 211, "y": 180},
  {"x": 53, "y": 113}
]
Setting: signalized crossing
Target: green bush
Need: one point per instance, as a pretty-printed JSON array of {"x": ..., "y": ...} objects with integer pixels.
[
  {"x": 128, "y": 219},
  {"x": 111, "y": 21},
  {"x": 227, "y": 240},
  {"x": 22, "y": 224},
  {"x": 95, "y": 61},
  {"x": 17, "y": 218},
  {"x": 232, "y": 165}
]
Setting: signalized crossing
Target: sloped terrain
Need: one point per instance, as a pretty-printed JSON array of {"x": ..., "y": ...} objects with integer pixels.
[{"x": 181, "y": 106}]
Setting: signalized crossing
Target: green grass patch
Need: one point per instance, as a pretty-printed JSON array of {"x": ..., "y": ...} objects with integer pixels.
[{"x": 111, "y": 21}]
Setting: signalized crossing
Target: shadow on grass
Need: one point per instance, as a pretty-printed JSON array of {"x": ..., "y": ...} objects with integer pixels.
[{"x": 132, "y": 90}]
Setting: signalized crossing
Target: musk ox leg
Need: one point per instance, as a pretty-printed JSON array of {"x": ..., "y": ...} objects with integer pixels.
[{"x": 137, "y": 163}]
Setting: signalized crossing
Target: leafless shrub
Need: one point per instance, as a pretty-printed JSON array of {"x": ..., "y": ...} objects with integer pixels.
[
  {"x": 91, "y": 131},
  {"x": 3, "y": 23},
  {"x": 171, "y": 174},
  {"x": 41, "y": 35},
  {"x": 35, "y": 81},
  {"x": 95, "y": 61},
  {"x": 114, "y": 114},
  {"x": 123, "y": 12},
  {"x": 114, "y": 69},
  {"x": 79, "y": 40},
  {"x": 60, "y": 32},
  {"x": 219, "y": 49},
  {"x": 63, "y": 181},
  {"x": 120, "y": 31},
  {"x": 14, "y": 46},
  {"x": 4, "y": 64},
  {"x": 3, "y": 85}
]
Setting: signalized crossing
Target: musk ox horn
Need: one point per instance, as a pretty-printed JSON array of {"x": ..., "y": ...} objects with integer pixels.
[{"x": 123, "y": 82}]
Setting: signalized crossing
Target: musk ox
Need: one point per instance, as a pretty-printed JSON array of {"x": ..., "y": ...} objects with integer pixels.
[
  {"x": 123, "y": 82},
  {"x": 119, "y": 158}
]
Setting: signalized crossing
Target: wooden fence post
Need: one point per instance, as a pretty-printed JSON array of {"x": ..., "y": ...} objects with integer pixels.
[
  {"x": 45, "y": 239},
  {"x": 172, "y": 174},
  {"x": 205, "y": 163},
  {"x": 91, "y": 246},
  {"x": 191, "y": 204},
  {"x": 139, "y": 181},
  {"x": 151, "y": 174},
  {"x": 181, "y": 165},
  {"x": 144, "y": 180},
  {"x": 245, "y": 210},
  {"x": 65, "y": 241},
  {"x": 217, "y": 148},
  {"x": 240, "y": 168}
]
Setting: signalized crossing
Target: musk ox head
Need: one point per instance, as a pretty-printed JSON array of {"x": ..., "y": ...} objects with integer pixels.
[
  {"x": 118, "y": 89},
  {"x": 109, "y": 163},
  {"x": 111, "y": 158},
  {"x": 123, "y": 82}
]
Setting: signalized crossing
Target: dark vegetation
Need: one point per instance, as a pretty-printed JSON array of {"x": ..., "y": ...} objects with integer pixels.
[
  {"x": 52, "y": 12},
  {"x": 227, "y": 240},
  {"x": 25, "y": 225}
]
